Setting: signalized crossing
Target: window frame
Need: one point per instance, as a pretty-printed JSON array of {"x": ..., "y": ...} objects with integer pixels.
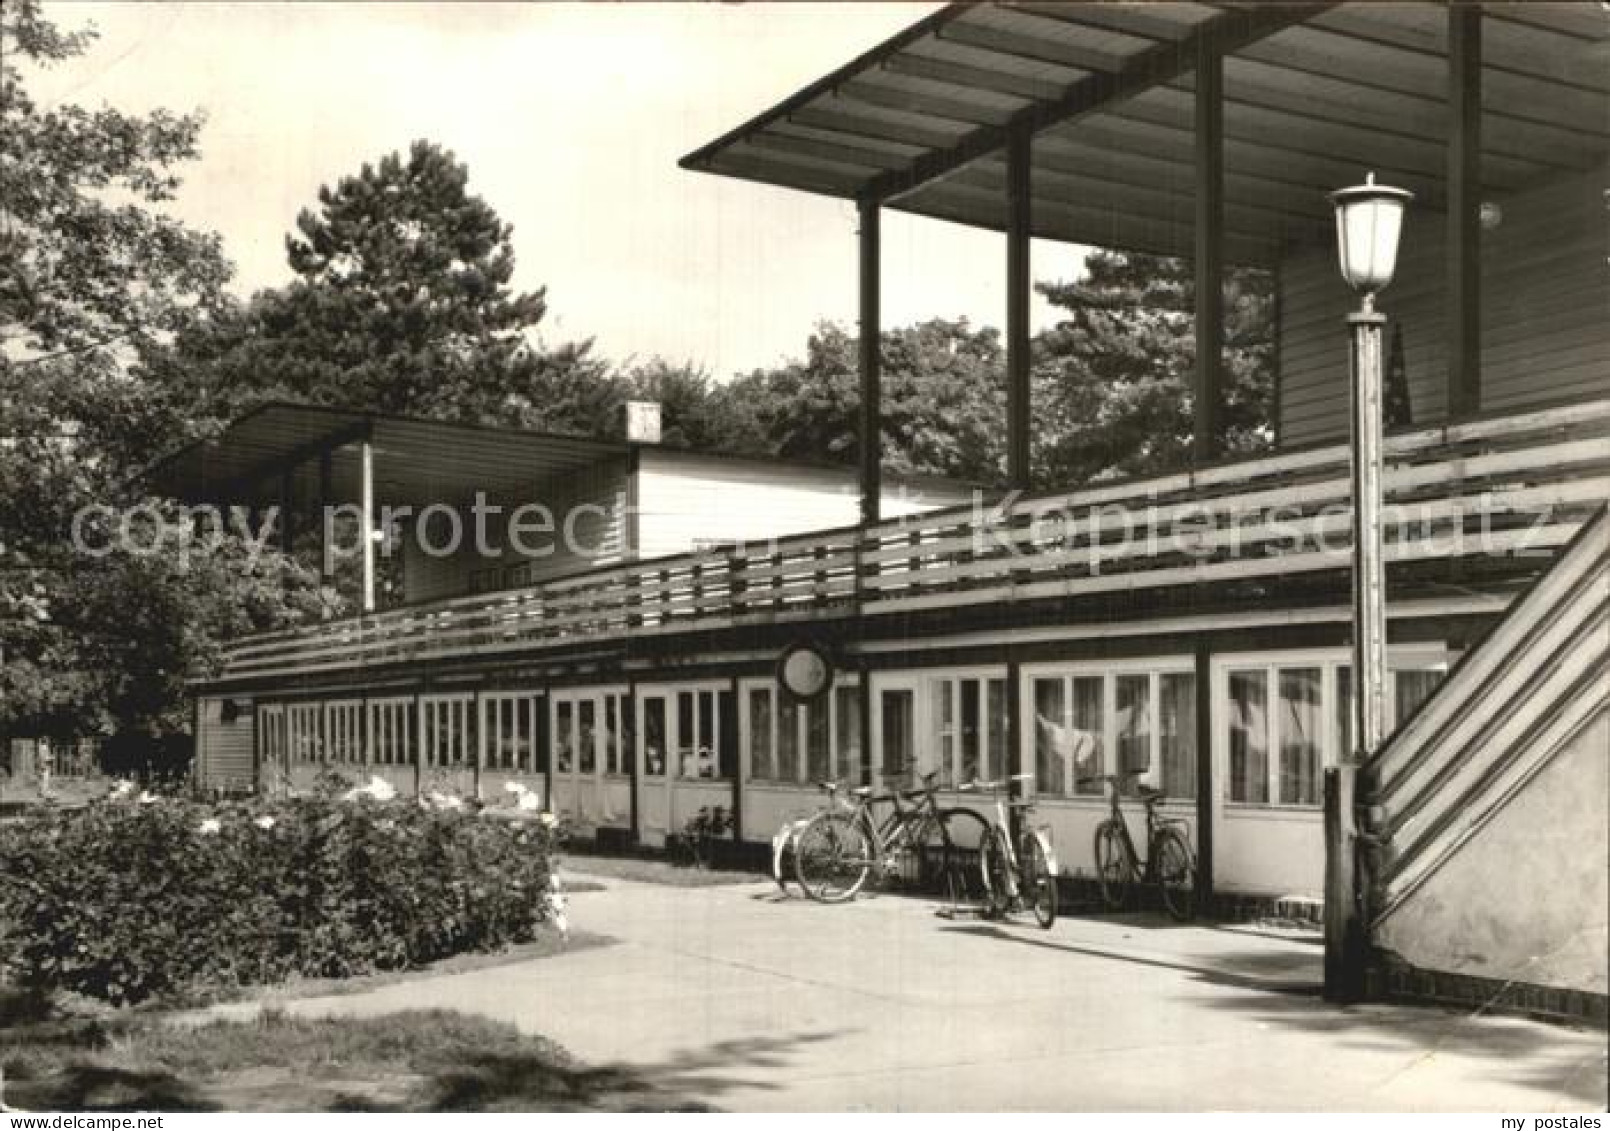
[
  {"x": 1109, "y": 671},
  {"x": 840, "y": 770},
  {"x": 1400, "y": 657}
]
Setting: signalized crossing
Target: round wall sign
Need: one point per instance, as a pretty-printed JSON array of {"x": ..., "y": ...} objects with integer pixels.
[{"x": 805, "y": 671}]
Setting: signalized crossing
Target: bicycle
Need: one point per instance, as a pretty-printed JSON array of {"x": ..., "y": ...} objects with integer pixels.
[
  {"x": 1024, "y": 875},
  {"x": 1169, "y": 863},
  {"x": 840, "y": 847}
]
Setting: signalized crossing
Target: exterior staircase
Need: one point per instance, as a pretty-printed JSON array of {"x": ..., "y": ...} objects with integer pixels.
[{"x": 1489, "y": 809}]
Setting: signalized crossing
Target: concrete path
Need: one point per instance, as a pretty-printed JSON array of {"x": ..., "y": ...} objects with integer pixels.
[{"x": 733, "y": 997}]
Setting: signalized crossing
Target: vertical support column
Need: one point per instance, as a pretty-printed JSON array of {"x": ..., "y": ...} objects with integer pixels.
[
  {"x": 1019, "y": 160},
  {"x": 1206, "y": 787},
  {"x": 871, "y": 332},
  {"x": 325, "y": 491},
  {"x": 1017, "y": 760},
  {"x": 366, "y": 506},
  {"x": 1209, "y": 317},
  {"x": 287, "y": 498},
  {"x": 1464, "y": 210}
]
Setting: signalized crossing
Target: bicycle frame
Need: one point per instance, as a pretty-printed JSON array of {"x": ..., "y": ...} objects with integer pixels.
[{"x": 1146, "y": 868}]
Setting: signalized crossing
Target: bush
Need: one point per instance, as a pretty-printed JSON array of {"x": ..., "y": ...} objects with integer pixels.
[{"x": 127, "y": 900}]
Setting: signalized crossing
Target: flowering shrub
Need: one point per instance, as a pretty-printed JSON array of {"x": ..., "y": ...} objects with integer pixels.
[{"x": 137, "y": 897}]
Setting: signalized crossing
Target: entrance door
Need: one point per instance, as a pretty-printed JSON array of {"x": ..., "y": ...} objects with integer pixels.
[
  {"x": 895, "y": 719},
  {"x": 685, "y": 759},
  {"x": 589, "y": 737}
]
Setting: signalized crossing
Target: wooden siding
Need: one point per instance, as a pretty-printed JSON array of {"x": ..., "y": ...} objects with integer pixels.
[
  {"x": 602, "y": 486},
  {"x": 1545, "y": 313},
  {"x": 224, "y": 750},
  {"x": 688, "y": 501}
]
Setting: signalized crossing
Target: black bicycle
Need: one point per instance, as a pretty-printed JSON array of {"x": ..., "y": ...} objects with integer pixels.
[
  {"x": 1169, "y": 863},
  {"x": 901, "y": 833}
]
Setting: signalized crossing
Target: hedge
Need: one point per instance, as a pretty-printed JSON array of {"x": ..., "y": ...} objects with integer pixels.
[{"x": 141, "y": 897}]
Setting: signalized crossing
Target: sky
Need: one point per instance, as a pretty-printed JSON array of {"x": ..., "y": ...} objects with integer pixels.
[{"x": 571, "y": 118}]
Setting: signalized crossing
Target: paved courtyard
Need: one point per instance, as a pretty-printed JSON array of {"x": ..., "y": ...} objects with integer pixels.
[{"x": 734, "y": 997}]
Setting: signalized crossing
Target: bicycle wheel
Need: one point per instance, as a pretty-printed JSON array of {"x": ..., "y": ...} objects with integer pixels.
[
  {"x": 995, "y": 867},
  {"x": 965, "y": 833},
  {"x": 1039, "y": 882},
  {"x": 1114, "y": 871},
  {"x": 1176, "y": 874},
  {"x": 832, "y": 857}
]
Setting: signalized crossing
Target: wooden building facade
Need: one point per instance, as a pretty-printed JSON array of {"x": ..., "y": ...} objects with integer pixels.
[{"x": 1194, "y": 624}]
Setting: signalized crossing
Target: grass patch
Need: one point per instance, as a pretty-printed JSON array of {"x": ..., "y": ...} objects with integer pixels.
[
  {"x": 421, "y": 1060},
  {"x": 548, "y": 944},
  {"x": 648, "y": 872}
]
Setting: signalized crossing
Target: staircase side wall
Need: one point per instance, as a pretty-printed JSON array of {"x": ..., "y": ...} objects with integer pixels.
[{"x": 1526, "y": 898}]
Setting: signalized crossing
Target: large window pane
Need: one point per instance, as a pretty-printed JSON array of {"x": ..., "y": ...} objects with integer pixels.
[
  {"x": 1176, "y": 708},
  {"x": 1089, "y": 760},
  {"x": 972, "y": 736},
  {"x": 586, "y": 727},
  {"x": 847, "y": 713},
  {"x": 654, "y": 737},
  {"x": 761, "y": 767},
  {"x": 1301, "y": 717},
  {"x": 995, "y": 760},
  {"x": 947, "y": 746},
  {"x": 898, "y": 710},
  {"x": 787, "y": 740},
  {"x": 818, "y": 751},
  {"x": 1133, "y": 723},
  {"x": 1053, "y": 739},
  {"x": 1249, "y": 736},
  {"x": 564, "y": 736}
]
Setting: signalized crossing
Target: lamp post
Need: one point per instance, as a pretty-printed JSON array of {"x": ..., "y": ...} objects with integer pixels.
[{"x": 1369, "y": 220}]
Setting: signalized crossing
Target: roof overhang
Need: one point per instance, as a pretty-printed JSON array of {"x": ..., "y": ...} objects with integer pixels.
[
  {"x": 416, "y": 461},
  {"x": 1314, "y": 95}
]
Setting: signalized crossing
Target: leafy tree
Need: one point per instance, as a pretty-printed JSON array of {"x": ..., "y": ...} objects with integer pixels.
[
  {"x": 401, "y": 302},
  {"x": 942, "y": 392},
  {"x": 91, "y": 277},
  {"x": 1112, "y": 382}
]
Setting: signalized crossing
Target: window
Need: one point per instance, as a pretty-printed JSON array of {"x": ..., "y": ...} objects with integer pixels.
[
  {"x": 1138, "y": 723},
  {"x": 508, "y": 721},
  {"x": 390, "y": 727},
  {"x": 1176, "y": 721},
  {"x": 447, "y": 730},
  {"x": 800, "y": 743},
  {"x": 761, "y": 765},
  {"x": 654, "y": 736},
  {"x": 304, "y": 737},
  {"x": 1249, "y": 736},
  {"x": 1287, "y": 719},
  {"x": 343, "y": 730},
  {"x": 592, "y": 732},
  {"x": 968, "y": 729}
]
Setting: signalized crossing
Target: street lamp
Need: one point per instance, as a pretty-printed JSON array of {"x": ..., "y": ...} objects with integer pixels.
[{"x": 1369, "y": 220}]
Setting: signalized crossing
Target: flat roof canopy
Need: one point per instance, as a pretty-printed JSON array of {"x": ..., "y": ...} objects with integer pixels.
[
  {"x": 1314, "y": 95},
  {"x": 416, "y": 461}
]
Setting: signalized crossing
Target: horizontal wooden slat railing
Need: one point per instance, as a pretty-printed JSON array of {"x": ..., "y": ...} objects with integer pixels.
[
  {"x": 1526, "y": 690},
  {"x": 1507, "y": 485}
]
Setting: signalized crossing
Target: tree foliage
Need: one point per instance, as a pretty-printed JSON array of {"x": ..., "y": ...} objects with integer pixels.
[
  {"x": 92, "y": 275},
  {"x": 401, "y": 301},
  {"x": 1112, "y": 382}
]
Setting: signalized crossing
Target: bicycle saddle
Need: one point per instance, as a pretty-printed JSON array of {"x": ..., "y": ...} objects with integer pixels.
[{"x": 1149, "y": 795}]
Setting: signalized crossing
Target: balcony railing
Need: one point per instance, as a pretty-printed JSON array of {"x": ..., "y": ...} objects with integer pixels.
[{"x": 1497, "y": 486}]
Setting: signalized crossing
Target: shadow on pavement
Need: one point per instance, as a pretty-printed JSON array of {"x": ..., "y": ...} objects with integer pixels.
[
  {"x": 1565, "y": 1060},
  {"x": 1269, "y": 971},
  {"x": 686, "y": 1081}
]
